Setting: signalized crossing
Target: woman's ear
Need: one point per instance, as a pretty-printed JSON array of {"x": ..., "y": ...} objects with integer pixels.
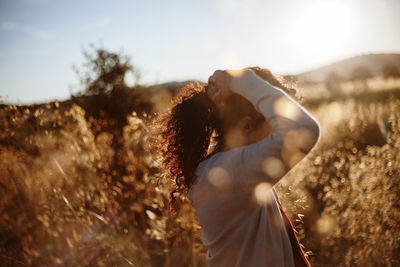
[{"x": 246, "y": 125}]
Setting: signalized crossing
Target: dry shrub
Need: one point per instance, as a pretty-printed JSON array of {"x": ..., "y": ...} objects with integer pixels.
[
  {"x": 351, "y": 184},
  {"x": 63, "y": 204}
]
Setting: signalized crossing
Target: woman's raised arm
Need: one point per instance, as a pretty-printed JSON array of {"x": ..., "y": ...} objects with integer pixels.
[{"x": 294, "y": 131}]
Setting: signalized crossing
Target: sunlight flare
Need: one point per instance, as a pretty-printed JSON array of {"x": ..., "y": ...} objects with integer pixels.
[
  {"x": 286, "y": 108},
  {"x": 263, "y": 193},
  {"x": 273, "y": 167},
  {"x": 220, "y": 178},
  {"x": 325, "y": 224},
  {"x": 323, "y": 27}
]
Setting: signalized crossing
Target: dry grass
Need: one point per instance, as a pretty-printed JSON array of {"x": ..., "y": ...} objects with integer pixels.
[{"x": 61, "y": 204}]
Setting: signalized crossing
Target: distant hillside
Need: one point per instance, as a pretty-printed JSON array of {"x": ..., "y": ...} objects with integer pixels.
[
  {"x": 343, "y": 68},
  {"x": 374, "y": 62}
]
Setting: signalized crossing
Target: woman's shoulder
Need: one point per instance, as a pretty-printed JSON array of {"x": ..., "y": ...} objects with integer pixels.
[
  {"x": 218, "y": 159},
  {"x": 208, "y": 163}
]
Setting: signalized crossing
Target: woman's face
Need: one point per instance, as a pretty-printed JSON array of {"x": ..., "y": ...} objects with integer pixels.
[
  {"x": 244, "y": 133},
  {"x": 259, "y": 133}
]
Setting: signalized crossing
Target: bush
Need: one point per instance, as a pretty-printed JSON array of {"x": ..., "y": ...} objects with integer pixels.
[{"x": 63, "y": 203}]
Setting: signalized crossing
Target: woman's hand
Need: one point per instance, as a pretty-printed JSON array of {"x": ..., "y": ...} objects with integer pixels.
[{"x": 218, "y": 88}]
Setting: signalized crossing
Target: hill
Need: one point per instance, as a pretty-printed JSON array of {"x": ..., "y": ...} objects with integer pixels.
[{"x": 374, "y": 62}]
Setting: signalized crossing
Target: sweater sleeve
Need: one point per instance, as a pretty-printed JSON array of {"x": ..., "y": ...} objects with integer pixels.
[{"x": 294, "y": 132}]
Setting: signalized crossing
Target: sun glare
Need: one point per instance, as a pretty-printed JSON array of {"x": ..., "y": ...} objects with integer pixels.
[{"x": 324, "y": 27}]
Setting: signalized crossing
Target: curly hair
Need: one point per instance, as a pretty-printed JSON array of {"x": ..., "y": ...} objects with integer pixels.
[{"x": 186, "y": 132}]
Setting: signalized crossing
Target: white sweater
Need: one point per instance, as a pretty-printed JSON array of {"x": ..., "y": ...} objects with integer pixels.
[{"x": 235, "y": 202}]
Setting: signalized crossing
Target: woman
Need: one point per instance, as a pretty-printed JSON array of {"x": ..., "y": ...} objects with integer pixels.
[{"x": 226, "y": 145}]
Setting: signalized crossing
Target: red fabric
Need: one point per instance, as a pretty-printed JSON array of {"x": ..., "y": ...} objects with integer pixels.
[{"x": 298, "y": 253}]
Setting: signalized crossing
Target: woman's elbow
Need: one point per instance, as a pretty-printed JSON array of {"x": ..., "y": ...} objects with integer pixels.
[
  {"x": 305, "y": 138},
  {"x": 298, "y": 143}
]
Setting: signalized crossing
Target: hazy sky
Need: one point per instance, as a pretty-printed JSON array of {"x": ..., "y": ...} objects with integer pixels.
[{"x": 40, "y": 40}]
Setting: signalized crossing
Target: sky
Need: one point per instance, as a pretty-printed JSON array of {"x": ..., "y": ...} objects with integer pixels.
[{"x": 40, "y": 40}]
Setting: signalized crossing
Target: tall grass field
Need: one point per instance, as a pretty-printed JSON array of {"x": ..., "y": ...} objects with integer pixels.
[{"x": 75, "y": 194}]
